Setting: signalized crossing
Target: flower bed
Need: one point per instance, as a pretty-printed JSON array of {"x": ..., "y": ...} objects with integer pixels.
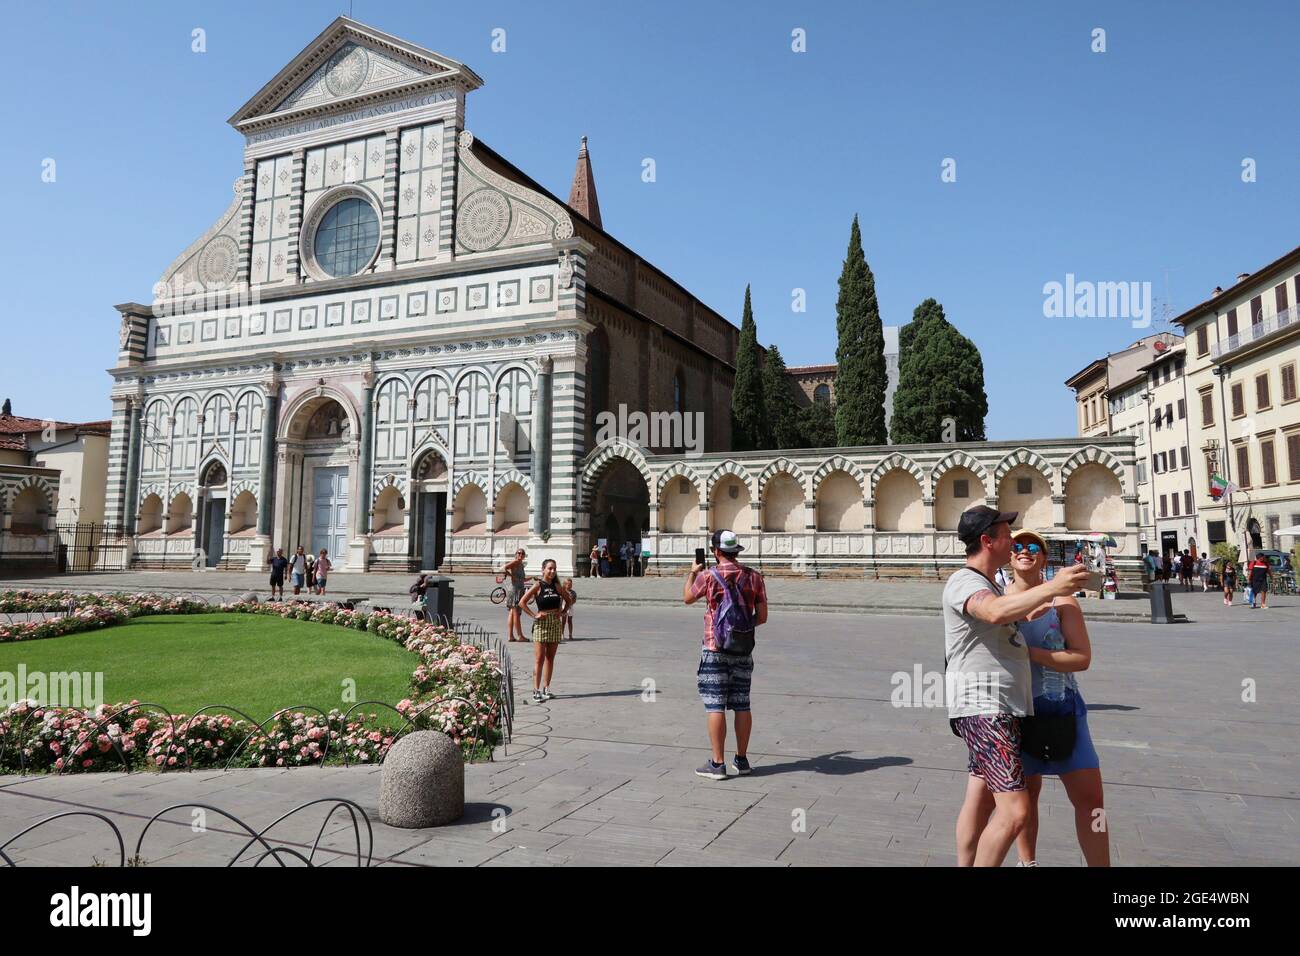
[{"x": 455, "y": 689}]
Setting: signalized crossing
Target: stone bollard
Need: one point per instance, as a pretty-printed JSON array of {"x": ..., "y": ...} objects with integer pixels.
[{"x": 423, "y": 781}]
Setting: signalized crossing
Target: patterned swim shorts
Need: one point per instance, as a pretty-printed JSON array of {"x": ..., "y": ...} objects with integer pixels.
[
  {"x": 993, "y": 750},
  {"x": 724, "y": 681}
]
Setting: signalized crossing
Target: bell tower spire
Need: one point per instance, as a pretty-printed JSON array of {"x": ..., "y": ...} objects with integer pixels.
[{"x": 582, "y": 195}]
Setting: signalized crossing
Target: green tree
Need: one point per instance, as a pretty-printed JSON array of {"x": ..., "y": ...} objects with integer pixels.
[
  {"x": 861, "y": 379},
  {"x": 816, "y": 424},
  {"x": 781, "y": 408},
  {"x": 748, "y": 426},
  {"x": 940, "y": 395}
]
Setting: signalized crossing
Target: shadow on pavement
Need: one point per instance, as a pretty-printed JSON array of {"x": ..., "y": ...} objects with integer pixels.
[{"x": 835, "y": 764}]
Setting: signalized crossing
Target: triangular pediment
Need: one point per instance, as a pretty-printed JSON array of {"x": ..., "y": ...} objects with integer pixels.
[{"x": 349, "y": 62}]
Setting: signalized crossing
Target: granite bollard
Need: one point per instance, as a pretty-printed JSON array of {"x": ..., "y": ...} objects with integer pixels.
[{"x": 423, "y": 781}]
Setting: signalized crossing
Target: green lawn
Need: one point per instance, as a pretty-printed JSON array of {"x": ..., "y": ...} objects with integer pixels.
[{"x": 256, "y": 663}]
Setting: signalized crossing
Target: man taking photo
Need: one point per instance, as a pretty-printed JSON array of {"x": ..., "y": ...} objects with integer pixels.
[
  {"x": 989, "y": 682},
  {"x": 736, "y": 604}
]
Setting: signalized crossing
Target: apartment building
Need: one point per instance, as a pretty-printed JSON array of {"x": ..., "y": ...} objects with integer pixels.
[
  {"x": 1240, "y": 376},
  {"x": 1173, "y": 486}
]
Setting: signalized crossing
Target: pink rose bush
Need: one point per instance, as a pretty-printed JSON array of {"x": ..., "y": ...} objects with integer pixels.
[{"x": 83, "y": 612}]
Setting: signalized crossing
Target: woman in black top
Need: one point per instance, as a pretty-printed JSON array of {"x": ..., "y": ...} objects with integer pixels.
[
  {"x": 548, "y": 625},
  {"x": 1229, "y": 582}
]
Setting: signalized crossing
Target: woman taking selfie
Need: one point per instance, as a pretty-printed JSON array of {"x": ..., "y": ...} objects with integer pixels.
[
  {"x": 548, "y": 626},
  {"x": 1055, "y": 741}
]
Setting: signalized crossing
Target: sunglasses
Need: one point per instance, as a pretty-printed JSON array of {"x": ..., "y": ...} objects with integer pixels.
[{"x": 1031, "y": 547}]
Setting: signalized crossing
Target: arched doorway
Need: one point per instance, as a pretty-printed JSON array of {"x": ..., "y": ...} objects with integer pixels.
[
  {"x": 320, "y": 437},
  {"x": 213, "y": 494},
  {"x": 429, "y": 526},
  {"x": 620, "y": 509}
]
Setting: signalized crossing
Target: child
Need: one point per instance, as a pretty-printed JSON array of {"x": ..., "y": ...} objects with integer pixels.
[{"x": 567, "y": 584}]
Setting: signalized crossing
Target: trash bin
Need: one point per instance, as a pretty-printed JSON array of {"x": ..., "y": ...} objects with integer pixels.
[
  {"x": 440, "y": 598},
  {"x": 1162, "y": 605}
]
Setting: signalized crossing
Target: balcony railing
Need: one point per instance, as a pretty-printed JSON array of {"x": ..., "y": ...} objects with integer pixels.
[{"x": 1285, "y": 319}]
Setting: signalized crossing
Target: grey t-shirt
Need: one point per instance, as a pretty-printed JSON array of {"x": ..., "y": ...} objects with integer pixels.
[{"x": 988, "y": 664}]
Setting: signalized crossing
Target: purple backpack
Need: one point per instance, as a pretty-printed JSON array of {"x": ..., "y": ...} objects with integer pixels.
[{"x": 733, "y": 627}]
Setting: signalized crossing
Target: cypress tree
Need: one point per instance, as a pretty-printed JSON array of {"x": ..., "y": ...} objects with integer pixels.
[
  {"x": 860, "y": 379},
  {"x": 781, "y": 409},
  {"x": 940, "y": 376},
  {"x": 816, "y": 424},
  {"x": 748, "y": 431}
]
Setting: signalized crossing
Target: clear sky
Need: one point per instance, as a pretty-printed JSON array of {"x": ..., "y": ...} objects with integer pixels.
[{"x": 1117, "y": 166}]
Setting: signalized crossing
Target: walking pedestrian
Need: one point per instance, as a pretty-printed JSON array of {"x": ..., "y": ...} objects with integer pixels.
[
  {"x": 1259, "y": 572},
  {"x": 594, "y": 569},
  {"x": 323, "y": 567},
  {"x": 1229, "y": 582},
  {"x": 279, "y": 563},
  {"x": 735, "y": 606},
  {"x": 990, "y": 683},
  {"x": 573, "y": 599},
  {"x": 311, "y": 574},
  {"x": 548, "y": 626}
]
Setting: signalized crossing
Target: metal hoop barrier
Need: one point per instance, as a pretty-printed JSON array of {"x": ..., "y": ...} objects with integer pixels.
[
  {"x": 275, "y": 716},
  {"x": 121, "y": 845},
  {"x": 410, "y": 723}
]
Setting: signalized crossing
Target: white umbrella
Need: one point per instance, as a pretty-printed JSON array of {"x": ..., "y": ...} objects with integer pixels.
[{"x": 1294, "y": 530}]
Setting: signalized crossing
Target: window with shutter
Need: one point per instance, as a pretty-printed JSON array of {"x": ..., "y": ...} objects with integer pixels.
[
  {"x": 1269, "y": 465},
  {"x": 1232, "y": 322},
  {"x": 1238, "y": 401},
  {"x": 1257, "y": 310},
  {"x": 1288, "y": 382},
  {"x": 1207, "y": 409},
  {"x": 1202, "y": 340},
  {"x": 1187, "y": 502},
  {"x": 1173, "y": 503},
  {"x": 1280, "y": 294},
  {"x": 1182, "y": 409},
  {"x": 1293, "y": 456},
  {"x": 1243, "y": 466},
  {"x": 1182, "y": 457},
  {"x": 1261, "y": 391},
  {"x": 1164, "y": 509}
]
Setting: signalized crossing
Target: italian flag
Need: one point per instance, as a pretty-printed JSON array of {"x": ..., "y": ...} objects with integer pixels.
[{"x": 1221, "y": 488}]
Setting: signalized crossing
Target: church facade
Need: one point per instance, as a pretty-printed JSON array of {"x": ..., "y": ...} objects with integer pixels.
[{"x": 396, "y": 346}]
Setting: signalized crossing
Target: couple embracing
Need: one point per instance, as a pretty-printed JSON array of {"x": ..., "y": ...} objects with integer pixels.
[{"x": 1011, "y": 656}]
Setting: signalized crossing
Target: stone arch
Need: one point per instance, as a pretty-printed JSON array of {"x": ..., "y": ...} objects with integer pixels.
[
  {"x": 1023, "y": 456},
  {"x": 783, "y": 498},
  {"x": 838, "y": 463},
  {"x": 309, "y": 396},
  {"x": 180, "y": 514},
  {"x": 599, "y": 461},
  {"x": 728, "y": 467},
  {"x": 1091, "y": 455},
  {"x": 1094, "y": 499},
  {"x": 899, "y": 496},
  {"x": 959, "y": 459},
  {"x": 511, "y": 505},
  {"x": 243, "y": 510},
  {"x": 514, "y": 365},
  {"x": 469, "y": 505},
  {"x": 469, "y": 478},
  {"x": 896, "y": 462},
  {"x": 782, "y": 466},
  {"x": 31, "y": 502},
  {"x": 387, "y": 511},
  {"x": 469, "y": 370},
  {"x": 150, "y": 518},
  {"x": 676, "y": 470},
  {"x": 516, "y": 476},
  {"x": 205, "y": 470}
]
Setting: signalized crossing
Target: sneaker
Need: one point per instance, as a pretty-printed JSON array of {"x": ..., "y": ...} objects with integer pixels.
[
  {"x": 714, "y": 771},
  {"x": 741, "y": 765},
  {"x": 1029, "y": 863},
  {"x": 546, "y": 694},
  {"x": 537, "y": 697}
]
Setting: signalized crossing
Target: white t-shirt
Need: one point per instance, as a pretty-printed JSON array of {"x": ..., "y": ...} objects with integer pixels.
[
  {"x": 299, "y": 564},
  {"x": 988, "y": 668}
]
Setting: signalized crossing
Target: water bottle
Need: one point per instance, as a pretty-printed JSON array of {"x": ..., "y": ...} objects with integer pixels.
[{"x": 1054, "y": 682}]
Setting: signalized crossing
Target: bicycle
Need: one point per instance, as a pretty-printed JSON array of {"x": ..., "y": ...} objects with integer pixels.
[{"x": 498, "y": 594}]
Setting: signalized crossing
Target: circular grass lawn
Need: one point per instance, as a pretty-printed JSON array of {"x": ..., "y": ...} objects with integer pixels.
[{"x": 257, "y": 663}]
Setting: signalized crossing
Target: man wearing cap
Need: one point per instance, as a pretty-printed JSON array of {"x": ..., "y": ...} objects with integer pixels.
[
  {"x": 989, "y": 683},
  {"x": 724, "y": 678}
]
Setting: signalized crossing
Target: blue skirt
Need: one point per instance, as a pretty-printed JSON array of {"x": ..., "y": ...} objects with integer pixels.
[{"x": 1084, "y": 755}]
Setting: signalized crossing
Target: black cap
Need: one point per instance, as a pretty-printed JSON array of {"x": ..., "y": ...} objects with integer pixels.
[{"x": 979, "y": 519}]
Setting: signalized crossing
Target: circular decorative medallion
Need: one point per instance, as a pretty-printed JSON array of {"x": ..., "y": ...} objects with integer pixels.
[
  {"x": 484, "y": 220},
  {"x": 347, "y": 70},
  {"x": 218, "y": 261}
]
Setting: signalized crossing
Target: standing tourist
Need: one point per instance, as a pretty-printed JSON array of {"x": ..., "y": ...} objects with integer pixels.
[
  {"x": 573, "y": 599},
  {"x": 311, "y": 574},
  {"x": 594, "y": 569},
  {"x": 298, "y": 567},
  {"x": 1259, "y": 572},
  {"x": 990, "y": 682},
  {"x": 548, "y": 626},
  {"x": 1229, "y": 582},
  {"x": 735, "y": 605},
  {"x": 515, "y": 571},
  {"x": 1058, "y": 643},
  {"x": 279, "y": 563}
]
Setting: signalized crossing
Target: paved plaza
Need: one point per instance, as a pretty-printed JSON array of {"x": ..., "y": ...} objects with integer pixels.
[{"x": 604, "y": 773}]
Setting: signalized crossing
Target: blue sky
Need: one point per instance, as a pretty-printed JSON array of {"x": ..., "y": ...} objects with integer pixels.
[{"x": 1115, "y": 166}]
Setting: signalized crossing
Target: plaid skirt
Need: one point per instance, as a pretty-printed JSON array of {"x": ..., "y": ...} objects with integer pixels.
[{"x": 549, "y": 629}]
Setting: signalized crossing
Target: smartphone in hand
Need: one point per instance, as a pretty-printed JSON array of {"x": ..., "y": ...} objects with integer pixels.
[{"x": 699, "y": 556}]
